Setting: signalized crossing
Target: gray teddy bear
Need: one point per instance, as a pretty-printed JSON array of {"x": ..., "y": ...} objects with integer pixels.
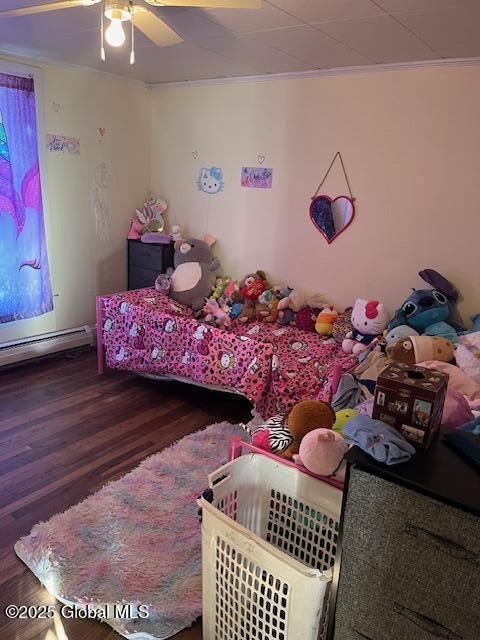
[{"x": 193, "y": 278}]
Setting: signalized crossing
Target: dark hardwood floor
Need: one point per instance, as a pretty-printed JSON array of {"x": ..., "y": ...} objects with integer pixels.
[{"x": 64, "y": 432}]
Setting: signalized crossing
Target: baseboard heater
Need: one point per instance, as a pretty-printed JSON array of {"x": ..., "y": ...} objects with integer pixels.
[{"x": 36, "y": 346}]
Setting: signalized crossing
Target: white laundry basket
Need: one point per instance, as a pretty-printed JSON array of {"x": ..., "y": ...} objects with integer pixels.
[{"x": 268, "y": 547}]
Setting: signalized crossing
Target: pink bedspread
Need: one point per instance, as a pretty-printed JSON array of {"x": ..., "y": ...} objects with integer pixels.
[{"x": 273, "y": 366}]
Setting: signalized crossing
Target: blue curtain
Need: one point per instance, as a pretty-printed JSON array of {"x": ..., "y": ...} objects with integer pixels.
[{"x": 25, "y": 288}]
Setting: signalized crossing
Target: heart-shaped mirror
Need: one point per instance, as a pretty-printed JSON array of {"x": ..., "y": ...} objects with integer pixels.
[{"x": 331, "y": 216}]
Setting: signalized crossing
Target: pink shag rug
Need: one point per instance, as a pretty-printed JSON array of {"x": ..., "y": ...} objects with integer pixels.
[{"x": 135, "y": 541}]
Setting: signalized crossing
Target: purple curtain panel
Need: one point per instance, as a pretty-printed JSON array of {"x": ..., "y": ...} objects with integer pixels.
[{"x": 25, "y": 287}]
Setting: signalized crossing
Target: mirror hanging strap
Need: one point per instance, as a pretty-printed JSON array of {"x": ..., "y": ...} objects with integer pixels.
[{"x": 337, "y": 155}]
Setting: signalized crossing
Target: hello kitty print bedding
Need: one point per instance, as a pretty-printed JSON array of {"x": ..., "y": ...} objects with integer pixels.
[{"x": 273, "y": 366}]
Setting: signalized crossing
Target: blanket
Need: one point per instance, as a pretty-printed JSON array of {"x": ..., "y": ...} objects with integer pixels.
[{"x": 273, "y": 366}]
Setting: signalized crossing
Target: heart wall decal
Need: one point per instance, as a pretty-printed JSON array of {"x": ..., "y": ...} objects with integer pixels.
[
  {"x": 194, "y": 155},
  {"x": 101, "y": 131},
  {"x": 55, "y": 106},
  {"x": 331, "y": 216},
  {"x": 260, "y": 158}
]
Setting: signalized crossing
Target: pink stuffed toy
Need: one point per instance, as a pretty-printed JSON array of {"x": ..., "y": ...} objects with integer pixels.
[
  {"x": 322, "y": 452},
  {"x": 216, "y": 314},
  {"x": 136, "y": 228},
  {"x": 369, "y": 319},
  {"x": 456, "y": 410}
]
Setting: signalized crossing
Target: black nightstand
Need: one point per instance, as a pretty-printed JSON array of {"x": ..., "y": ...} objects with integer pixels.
[{"x": 146, "y": 261}]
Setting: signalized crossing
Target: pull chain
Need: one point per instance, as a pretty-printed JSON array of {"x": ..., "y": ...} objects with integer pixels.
[
  {"x": 102, "y": 34},
  {"x": 132, "y": 50}
]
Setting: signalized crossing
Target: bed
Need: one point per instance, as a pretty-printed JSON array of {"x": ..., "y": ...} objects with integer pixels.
[{"x": 274, "y": 367}]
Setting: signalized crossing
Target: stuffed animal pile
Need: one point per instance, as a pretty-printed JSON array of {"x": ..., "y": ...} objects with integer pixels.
[
  {"x": 220, "y": 299},
  {"x": 421, "y": 329},
  {"x": 305, "y": 435}
]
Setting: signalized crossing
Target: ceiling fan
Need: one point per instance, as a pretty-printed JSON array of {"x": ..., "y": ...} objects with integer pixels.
[{"x": 137, "y": 13}]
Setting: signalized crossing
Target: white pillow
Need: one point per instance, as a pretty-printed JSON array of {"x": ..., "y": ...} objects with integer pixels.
[{"x": 467, "y": 355}]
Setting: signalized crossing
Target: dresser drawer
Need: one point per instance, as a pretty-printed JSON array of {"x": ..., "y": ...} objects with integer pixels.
[
  {"x": 441, "y": 558},
  {"x": 410, "y": 566},
  {"x": 139, "y": 278},
  {"x": 147, "y": 256},
  {"x": 402, "y": 623}
]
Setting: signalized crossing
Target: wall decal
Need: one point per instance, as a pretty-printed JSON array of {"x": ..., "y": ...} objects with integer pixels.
[
  {"x": 260, "y": 158},
  {"x": 210, "y": 180},
  {"x": 55, "y": 106},
  {"x": 194, "y": 155},
  {"x": 101, "y": 131},
  {"x": 257, "y": 177},
  {"x": 63, "y": 144},
  {"x": 101, "y": 207}
]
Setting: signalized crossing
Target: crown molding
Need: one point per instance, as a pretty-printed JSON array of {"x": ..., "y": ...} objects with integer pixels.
[
  {"x": 315, "y": 73},
  {"x": 39, "y": 62},
  {"x": 22, "y": 69}
]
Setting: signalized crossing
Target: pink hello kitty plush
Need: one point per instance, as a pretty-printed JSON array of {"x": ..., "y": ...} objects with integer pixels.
[{"x": 369, "y": 319}]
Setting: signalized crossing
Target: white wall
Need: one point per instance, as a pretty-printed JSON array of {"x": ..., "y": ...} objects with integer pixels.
[
  {"x": 411, "y": 143},
  {"x": 81, "y": 265}
]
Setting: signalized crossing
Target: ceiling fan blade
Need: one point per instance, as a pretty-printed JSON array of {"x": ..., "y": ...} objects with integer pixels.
[
  {"x": 43, "y": 8},
  {"x": 208, "y": 4},
  {"x": 154, "y": 28}
]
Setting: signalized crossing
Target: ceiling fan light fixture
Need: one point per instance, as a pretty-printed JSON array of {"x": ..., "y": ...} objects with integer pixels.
[{"x": 115, "y": 10}]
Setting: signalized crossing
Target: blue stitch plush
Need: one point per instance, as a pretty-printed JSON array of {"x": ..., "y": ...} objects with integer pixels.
[{"x": 427, "y": 310}]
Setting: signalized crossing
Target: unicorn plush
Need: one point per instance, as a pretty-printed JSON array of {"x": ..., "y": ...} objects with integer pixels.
[{"x": 149, "y": 219}]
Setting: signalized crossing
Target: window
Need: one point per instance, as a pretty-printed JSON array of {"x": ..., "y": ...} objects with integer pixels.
[{"x": 25, "y": 288}]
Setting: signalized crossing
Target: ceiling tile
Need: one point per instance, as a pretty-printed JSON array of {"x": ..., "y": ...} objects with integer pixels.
[
  {"x": 187, "y": 62},
  {"x": 248, "y": 50},
  {"x": 381, "y": 39},
  {"x": 249, "y": 20},
  {"x": 314, "y": 11},
  {"x": 191, "y": 24},
  {"x": 18, "y": 4},
  {"x": 33, "y": 38},
  {"x": 52, "y": 24},
  {"x": 393, "y": 6},
  {"x": 454, "y": 33},
  {"x": 312, "y": 46},
  {"x": 154, "y": 64},
  {"x": 65, "y": 35},
  {"x": 275, "y": 39}
]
